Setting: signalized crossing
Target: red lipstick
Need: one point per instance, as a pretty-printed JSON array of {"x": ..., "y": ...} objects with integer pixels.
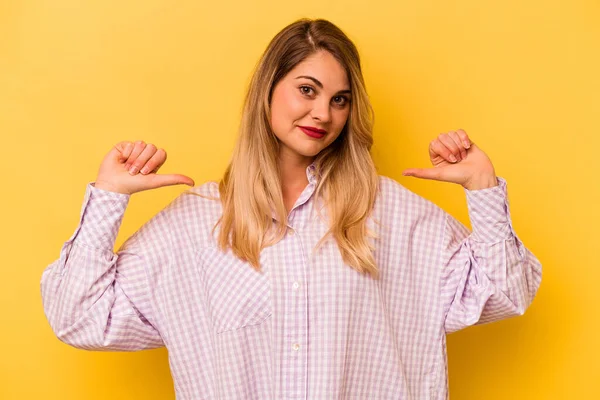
[{"x": 313, "y": 132}]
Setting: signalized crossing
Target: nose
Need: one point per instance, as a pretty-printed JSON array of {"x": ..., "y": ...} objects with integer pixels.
[{"x": 321, "y": 110}]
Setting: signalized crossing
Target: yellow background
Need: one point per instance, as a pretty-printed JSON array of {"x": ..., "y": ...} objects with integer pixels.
[{"x": 522, "y": 78}]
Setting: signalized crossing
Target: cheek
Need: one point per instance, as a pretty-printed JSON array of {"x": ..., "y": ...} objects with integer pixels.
[
  {"x": 340, "y": 118},
  {"x": 287, "y": 107},
  {"x": 339, "y": 121}
]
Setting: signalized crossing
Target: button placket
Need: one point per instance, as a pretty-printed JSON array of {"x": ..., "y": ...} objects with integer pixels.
[{"x": 295, "y": 363}]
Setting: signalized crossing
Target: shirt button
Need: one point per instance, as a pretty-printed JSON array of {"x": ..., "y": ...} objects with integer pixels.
[
  {"x": 291, "y": 232},
  {"x": 295, "y": 346},
  {"x": 295, "y": 285}
]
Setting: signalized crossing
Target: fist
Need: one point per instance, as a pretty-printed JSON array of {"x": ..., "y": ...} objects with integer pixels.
[
  {"x": 132, "y": 167},
  {"x": 456, "y": 159}
]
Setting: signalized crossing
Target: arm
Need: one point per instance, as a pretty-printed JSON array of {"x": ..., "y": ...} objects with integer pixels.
[
  {"x": 487, "y": 275},
  {"x": 95, "y": 299}
]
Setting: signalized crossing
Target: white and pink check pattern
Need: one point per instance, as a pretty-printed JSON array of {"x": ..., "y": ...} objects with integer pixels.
[{"x": 309, "y": 326}]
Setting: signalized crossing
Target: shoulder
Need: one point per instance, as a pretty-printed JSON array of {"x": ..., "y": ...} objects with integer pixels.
[
  {"x": 393, "y": 197},
  {"x": 196, "y": 211},
  {"x": 390, "y": 189},
  {"x": 389, "y": 186},
  {"x": 208, "y": 191},
  {"x": 203, "y": 200}
]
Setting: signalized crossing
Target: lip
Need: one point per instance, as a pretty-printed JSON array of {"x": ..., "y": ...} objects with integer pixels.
[{"x": 313, "y": 132}]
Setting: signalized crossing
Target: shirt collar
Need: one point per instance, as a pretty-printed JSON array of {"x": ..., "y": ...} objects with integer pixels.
[
  {"x": 312, "y": 173},
  {"x": 313, "y": 176}
]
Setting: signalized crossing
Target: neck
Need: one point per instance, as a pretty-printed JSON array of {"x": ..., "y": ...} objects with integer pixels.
[{"x": 292, "y": 168}]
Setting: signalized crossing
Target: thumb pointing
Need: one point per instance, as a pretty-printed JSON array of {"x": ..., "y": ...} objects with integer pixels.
[
  {"x": 423, "y": 173},
  {"x": 170, "y": 180}
]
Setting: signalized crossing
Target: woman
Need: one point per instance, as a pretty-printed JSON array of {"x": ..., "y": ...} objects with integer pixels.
[{"x": 302, "y": 274}]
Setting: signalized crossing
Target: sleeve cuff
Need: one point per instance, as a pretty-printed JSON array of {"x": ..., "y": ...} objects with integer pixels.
[
  {"x": 100, "y": 218},
  {"x": 489, "y": 213}
]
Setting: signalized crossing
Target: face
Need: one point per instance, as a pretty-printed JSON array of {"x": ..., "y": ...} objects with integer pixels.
[{"x": 315, "y": 94}]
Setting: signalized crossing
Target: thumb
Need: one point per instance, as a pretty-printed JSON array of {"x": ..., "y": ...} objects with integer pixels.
[
  {"x": 157, "y": 181},
  {"x": 424, "y": 173}
]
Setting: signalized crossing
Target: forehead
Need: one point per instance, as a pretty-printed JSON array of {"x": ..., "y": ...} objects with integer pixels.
[{"x": 323, "y": 67}]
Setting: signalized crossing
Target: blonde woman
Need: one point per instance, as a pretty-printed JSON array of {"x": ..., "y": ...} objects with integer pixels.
[{"x": 302, "y": 273}]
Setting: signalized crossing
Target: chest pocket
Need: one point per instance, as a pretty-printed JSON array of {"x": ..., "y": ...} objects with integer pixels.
[{"x": 237, "y": 295}]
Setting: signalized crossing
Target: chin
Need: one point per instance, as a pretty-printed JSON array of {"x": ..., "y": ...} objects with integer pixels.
[
  {"x": 309, "y": 151},
  {"x": 304, "y": 147}
]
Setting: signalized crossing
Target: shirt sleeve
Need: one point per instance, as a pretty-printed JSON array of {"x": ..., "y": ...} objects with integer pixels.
[
  {"x": 95, "y": 299},
  {"x": 488, "y": 274}
]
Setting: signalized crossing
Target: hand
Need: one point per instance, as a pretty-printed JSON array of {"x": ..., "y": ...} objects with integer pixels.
[
  {"x": 114, "y": 174},
  {"x": 456, "y": 159}
]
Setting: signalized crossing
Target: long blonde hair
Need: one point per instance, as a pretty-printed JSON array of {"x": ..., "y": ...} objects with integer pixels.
[{"x": 251, "y": 188}]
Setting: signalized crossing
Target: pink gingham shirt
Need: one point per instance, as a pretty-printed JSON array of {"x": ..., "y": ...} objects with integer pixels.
[{"x": 309, "y": 327}]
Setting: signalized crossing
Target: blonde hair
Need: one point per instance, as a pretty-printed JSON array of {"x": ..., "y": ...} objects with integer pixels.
[{"x": 251, "y": 188}]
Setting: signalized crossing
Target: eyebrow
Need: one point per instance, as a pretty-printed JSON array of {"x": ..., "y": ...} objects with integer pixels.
[{"x": 319, "y": 84}]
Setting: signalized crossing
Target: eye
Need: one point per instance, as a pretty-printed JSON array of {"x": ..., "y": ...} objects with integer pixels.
[
  {"x": 340, "y": 100},
  {"x": 306, "y": 90}
]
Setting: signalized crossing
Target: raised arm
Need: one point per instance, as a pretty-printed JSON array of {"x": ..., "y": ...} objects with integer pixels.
[
  {"x": 93, "y": 298},
  {"x": 488, "y": 274}
]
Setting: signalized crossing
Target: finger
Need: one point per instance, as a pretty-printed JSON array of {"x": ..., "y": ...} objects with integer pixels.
[
  {"x": 155, "y": 162},
  {"x": 436, "y": 147},
  {"x": 123, "y": 150},
  {"x": 454, "y": 148},
  {"x": 139, "y": 163},
  {"x": 424, "y": 173},
  {"x": 464, "y": 138},
  {"x": 127, "y": 150},
  {"x": 459, "y": 144},
  {"x": 138, "y": 147},
  {"x": 169, "y": 180}
]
